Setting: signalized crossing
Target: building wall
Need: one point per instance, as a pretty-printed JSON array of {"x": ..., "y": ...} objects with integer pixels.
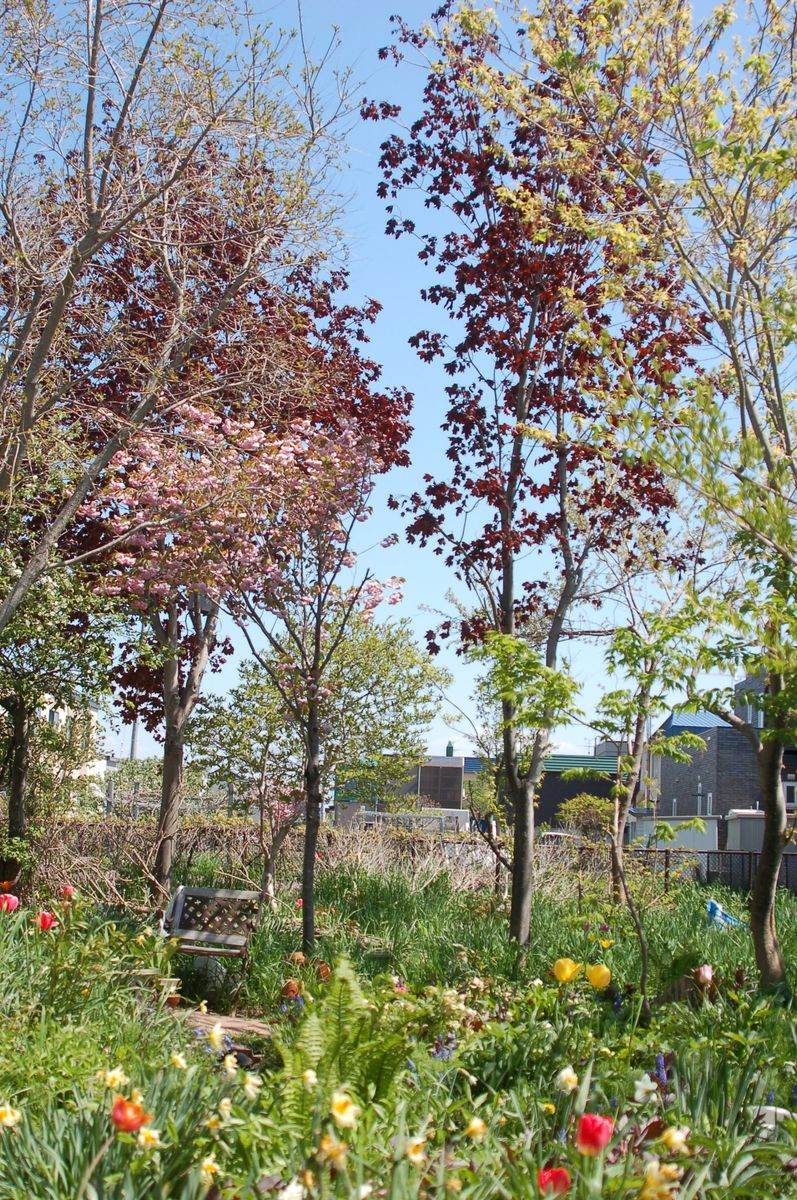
[
  {"x": 738, "y": 772},
  {"x": 676, "y": 781},
  {"x": 727, "y": 769}
]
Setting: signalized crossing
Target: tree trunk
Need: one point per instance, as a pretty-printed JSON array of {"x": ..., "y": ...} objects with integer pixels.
[
  {"x": 769, "y": 960},
  {"x": 312, "y": 789},
  {"x": 171, "y": 795},
  {"x": 179, "y": 701},
  {"x": 625, "y": 796},
  {"x": 19, "y": 767},
  {"x": 522, "y": 864},
  {"x": 270, "y": 858}
]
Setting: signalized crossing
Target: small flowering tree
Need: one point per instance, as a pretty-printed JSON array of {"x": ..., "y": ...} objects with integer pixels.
[{"x": 296, "y": 606}]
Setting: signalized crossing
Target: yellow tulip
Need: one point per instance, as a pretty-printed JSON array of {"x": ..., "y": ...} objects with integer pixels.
[
  {"x": 565, "y": 970},
  {"x": 599, "y": 976}
]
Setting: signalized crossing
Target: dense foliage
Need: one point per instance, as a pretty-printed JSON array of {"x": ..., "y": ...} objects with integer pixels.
[{"x": 447, "y": 1067}]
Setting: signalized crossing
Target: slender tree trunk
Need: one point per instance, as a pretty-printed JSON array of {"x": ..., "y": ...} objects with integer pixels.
[
  {"x": 270, "y": 858},
  {"x": 522, "y": 864},
  {"x": 19, "y": 767},
  {"x": 312, "y": 787},
  {"x": 768, "y": 957},
  {"x": 625, "y": 796},
  {"x": 171, "y": 796},
  {"x": 179, "y": 701}
]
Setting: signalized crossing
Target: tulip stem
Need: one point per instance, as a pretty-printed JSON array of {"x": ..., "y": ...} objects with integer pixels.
[{"x": 92, "y": 1167}]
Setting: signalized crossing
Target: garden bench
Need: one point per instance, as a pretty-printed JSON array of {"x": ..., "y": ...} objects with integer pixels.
[{"x": 212, "y": 921}]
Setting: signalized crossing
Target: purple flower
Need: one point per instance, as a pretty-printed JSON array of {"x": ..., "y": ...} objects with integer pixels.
[{"x": 660, "y": 1070}]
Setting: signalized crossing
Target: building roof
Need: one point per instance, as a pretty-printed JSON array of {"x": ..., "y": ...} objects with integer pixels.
[
  {"x": 557, "y": 763},
  {"x": 680, "y": 721},
  {"x": 585, "y": 762}
]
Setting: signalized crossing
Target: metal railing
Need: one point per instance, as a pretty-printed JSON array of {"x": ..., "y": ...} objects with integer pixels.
[{"x": 735, "y": 868}]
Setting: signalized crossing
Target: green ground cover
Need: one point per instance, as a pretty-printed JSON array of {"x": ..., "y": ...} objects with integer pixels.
[{"x": 416, "y": 1056}]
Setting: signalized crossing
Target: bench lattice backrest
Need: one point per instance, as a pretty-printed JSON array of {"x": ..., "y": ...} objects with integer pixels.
[{"x": 212, "y": 910}]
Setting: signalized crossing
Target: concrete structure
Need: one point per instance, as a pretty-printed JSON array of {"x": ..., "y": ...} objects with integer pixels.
[
  {"x": 641, "y": 825},
  {"x": 744, "y": 830}
]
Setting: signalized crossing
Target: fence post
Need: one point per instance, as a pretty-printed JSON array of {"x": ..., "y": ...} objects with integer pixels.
[
  {"x": 109, "y": 796},
  {"x": 666, "y": 870},
  {"x": 136, "y": 790},
  {"x": 230, "y": 799},
  {"x": 749, "y": 870}
]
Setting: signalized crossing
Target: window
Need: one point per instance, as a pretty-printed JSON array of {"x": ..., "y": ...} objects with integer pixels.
[{"x": 790, "y": 790}]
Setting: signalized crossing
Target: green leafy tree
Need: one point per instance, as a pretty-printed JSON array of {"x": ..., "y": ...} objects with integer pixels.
[
  {"x": 55, "y": 656},
  {"x": 702, "y": 115},
  {"x": 379, "y": 695},
  {"x": 586, "y": 814},
  {"x": 244, "y": 743}
]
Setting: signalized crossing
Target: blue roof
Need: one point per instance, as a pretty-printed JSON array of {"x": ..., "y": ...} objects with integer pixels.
[
  {"x": 473, "y": 765},
  {"x": 691, "y": 721}
]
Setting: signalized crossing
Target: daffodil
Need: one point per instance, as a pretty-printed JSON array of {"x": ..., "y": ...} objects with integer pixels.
[
  {"x": 216, "y": 1037},
  {"x": 565, "y": 970},
  {"x": 9, "y": 1117},
  {"x": 178, "y": 1060},
  {"x": 213, "y": 1123},
  {"x": 115, "y": 1078},
  {"x": 310, "y": 1080},
  {"x": 137, "y": 1096},
  {"x": 230, "y": 1065},
  {"x": 415, "y": 1150},
  {"x": 148, "y": 1139},
  {"x": 344, "y": 1111},
  {"x": 252, "y": 1085},
  {"x": 599, "y": 976},
  {"x": 674, "y": 1138},
  {"x": 548, "y": 1107},
  {"x": 606, "y": 943},
  {"x": 332, "y": 1151},
  {"x": 644, "y": 1088},
  {"x": 208, "y": 1168},
  {"x": 567, "y": 1080},
  {"x": 661, "y": 1181},
  {"x": 225, "y": 1108},
  {"x": 476, "y": 1129},
  {"x": 203, "y": 1006}
]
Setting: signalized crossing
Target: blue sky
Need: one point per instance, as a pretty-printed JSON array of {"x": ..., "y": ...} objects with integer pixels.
[{"x": 388, "y": 271}]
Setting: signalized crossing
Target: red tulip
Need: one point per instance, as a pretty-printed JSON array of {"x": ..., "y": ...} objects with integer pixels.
[
  {"x": 127, "y": 1116},
  {"x": 8, "y": 903},
  {"x": 67, "y": 893},
  {"x": 593, "y": 1134},
  {"x": 553, "y": 1181},
  {"x": 300, "y": 903},
  {"x": 46, "y": 920}
]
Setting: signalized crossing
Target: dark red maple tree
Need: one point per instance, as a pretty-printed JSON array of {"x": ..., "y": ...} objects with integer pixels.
[{"x": 560, "y": 327}]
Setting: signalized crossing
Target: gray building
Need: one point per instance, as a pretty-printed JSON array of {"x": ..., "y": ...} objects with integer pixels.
[{"x": 723, "y": 776}]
